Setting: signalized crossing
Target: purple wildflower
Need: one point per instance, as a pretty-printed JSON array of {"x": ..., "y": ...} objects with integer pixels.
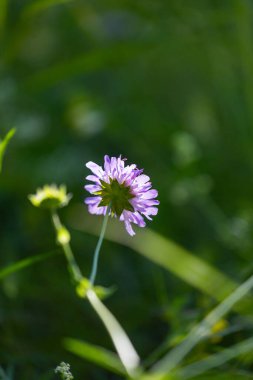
[{"x": 124, "y": 189}]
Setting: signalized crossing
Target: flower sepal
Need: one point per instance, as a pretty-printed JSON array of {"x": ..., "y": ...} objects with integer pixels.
[
  {"x": 84, "y": 285},
  {"x": 116, "y": 196}
]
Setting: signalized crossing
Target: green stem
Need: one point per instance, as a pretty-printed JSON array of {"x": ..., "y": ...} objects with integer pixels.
[
  {"x": 73, "y": 266},
  {"x": 97, "y": 250},
  {"x": 122, "y": 343}
]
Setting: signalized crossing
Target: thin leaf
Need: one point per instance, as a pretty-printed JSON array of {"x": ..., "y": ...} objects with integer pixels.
[
  {"x": 216, "y": 360},
  {"x": 95, "y": 354},
  {"x": 41, "y": 5},
  {"x": 19, "y": 265},
  {"x": 3, "y": 12},
  {"x": 202, "y": 330},
  {"x": 3, "y": 145},
  {"x": 122, "y": 343},
  {"x": 162, "y": 251},
  {"x": 228, "y": 375},
  {"x": 91, "y": 61}
]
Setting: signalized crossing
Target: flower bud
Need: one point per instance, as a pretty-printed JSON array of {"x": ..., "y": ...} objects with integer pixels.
[
  {"x": 63, "y": 236},
  {"x": 50, "y": 197}
]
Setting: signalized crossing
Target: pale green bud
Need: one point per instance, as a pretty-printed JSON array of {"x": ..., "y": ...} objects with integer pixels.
[
  {"x": 63, "y": 236},
  {"x": 50, "y": 196}
]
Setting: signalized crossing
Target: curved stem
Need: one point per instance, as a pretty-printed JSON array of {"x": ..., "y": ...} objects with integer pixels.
[
  {"x": 73, "y": 266},
  {"x": 97, "y": 250},
  {"x": 122, "y": 343}
]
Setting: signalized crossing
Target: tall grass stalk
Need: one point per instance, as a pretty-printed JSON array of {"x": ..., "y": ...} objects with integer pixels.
[{"x": 202, "y": 330}]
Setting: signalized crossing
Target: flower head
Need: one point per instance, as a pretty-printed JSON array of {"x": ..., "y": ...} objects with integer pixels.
[
  {"x": 50, "y": 196},
  {"x": 124, "y": 189}
]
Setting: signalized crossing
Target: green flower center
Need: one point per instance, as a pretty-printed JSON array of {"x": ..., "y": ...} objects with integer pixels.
[{"x": 116, "y": 195}]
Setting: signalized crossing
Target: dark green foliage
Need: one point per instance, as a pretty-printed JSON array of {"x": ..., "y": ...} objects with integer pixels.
[{"x": 167, "y": 84}]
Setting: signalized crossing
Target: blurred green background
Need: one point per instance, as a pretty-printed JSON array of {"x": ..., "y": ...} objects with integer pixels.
[{"x": 167, "y": 84}]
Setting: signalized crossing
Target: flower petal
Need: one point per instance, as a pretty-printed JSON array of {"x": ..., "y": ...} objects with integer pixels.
[
  {"x": 141, "y": 179},
  {"x": 96, "y": 169},
  {"x": 150, "y": 202},
  {"x": 138, "y": 219},
  {"x": 92, "y": 188},
  {"x": 107, "y": 163},
  {"x": 129, "y": 228},
  {"x": 150, "y": 194},
  {"x": 94, "y": 209},
  {"x": 92, "y": 178},
  {"x": 150, "y": 211},
  {"x": 92, "y": 200}
]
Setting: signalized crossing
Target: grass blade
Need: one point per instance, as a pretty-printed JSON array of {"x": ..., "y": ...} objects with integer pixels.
[
  {"x": 162, "y": 251},
  {"x": 95, "y": 60},
  {"x": 202, "y": 330},
  {"x": 216, "y": 360},
  {"x": 95, "y": 354},
  {"x": 3, "y": 13},
  {"x": 19, "y": 265},
  {"x": 124, "y": 347},
  {"x": 41, "y": 5},
  {"x": 4, "y": 143}
]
